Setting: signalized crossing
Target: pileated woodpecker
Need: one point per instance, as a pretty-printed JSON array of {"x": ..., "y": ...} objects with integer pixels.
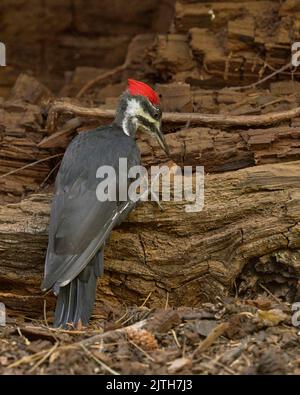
[{"x": 80, "y": 224}]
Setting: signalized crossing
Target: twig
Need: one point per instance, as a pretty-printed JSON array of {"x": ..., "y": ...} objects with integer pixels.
[
  {"x": 142, "y": 351},
  {"x": 176, "y": 338},
  {"x": 122, "y": 317},
  {"x": 226, "y": 368},
  {"x": 101, "y": 77},
  {"x": 61, "y": 106},
  {"x": 146, "y": 300},
  {"x": 250, "y": 86},
  {"x": 27, "y": 359},
  {"x": 101, "y": 363},
  {"x": 49, "y": 174},
  {"x": 167, "y": 301},
  {"x": 102, "y": 336},
  {"x": 27, "y": 342},
  {"x": 270, "y": 293},
  {"x": 84, "y": 342},
  {"x": 68, "y": 331},
  {"x": 30, "y": 165},
  {"x": 128, "y": 319},
  {"x": 46, "y": 320},
  {"x": 45, "y": 357}
]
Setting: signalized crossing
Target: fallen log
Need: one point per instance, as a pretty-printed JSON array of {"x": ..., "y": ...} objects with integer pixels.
[
  {"x": 62, "y": 106},
  {"x": 216, "y": 149},
  {"x": 21, "y": 129},
  {"x": 220, "y": 150},
  {"x": 29, "y": 158},
  {"x": 251, "y": 218}
]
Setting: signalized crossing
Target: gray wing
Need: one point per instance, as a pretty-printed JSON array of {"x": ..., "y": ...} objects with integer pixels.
[{"x": 80, "y": 223}]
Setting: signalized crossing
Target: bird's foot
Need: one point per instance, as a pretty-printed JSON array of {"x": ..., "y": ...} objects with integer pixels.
[{"x": 159, "y": 205}]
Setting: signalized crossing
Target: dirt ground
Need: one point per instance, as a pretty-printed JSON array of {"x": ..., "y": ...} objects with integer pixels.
[
  {"x": 228, "y": 58},
  {"x": 233, "y": 336}
]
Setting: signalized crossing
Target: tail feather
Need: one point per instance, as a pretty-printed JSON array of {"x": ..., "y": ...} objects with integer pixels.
[
  {"x": 75, "y": 301},
  {"x": 99, "y": 264}
]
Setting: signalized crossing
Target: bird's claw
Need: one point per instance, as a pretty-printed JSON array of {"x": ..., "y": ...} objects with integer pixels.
[{"x": 159, "y": 205}]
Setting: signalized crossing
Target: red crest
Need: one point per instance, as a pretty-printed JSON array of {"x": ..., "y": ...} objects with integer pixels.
[{"x": 142, "y": 89}]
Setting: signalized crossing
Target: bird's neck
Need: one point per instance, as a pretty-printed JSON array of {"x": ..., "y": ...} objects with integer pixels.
[
  {"x": 129, "y": 126},
  {"x": 125, "y": 118}
]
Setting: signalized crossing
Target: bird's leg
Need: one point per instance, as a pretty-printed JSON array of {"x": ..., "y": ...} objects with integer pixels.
[
  {"x": 156, "y": 200},
  {"x": 153, "y": 194},
  {"x": 79, "y": 326}
]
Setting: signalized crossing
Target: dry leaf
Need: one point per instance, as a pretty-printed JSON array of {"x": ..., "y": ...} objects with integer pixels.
[{"x": 179, "y": 364}]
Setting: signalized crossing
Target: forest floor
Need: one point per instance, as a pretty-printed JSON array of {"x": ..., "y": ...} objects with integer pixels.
[
  {"x": 238, "y": 65},
  {"x": 232, "y": 336}
]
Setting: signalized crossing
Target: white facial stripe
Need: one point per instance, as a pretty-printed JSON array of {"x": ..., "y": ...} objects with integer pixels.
[
  {"x": 124, "y": 127},
  {"x": 125, "y": 124},
  {"x": 133, "y": 107},
  {"x": 132, "y": 111}
]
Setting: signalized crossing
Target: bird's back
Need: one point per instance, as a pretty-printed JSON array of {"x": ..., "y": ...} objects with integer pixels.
[{"x": 80, "y": 223}]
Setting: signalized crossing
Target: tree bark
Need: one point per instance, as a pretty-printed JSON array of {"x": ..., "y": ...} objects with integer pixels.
[
  {"x": 220, "y": 150},
  {"x": 251, "y": 217}
]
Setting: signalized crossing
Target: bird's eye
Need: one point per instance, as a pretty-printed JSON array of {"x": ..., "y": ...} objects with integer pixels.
[{"x": 157, "y": 115}]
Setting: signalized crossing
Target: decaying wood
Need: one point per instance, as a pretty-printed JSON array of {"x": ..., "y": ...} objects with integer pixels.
[
  {"x": 268, "y": 77},
  {"x": 171, "y": 54},
  {"x": 28, "y": 154},
  {"x": 235, "y": 42},
  {"x": 55, "y": 38},
  {"x": 216, "y": 13},
  {"x": 251, "y": 217},
  {"x": 220, "y": 150},
  {"x": 30, "y": 90},
  {"x": 175, "y": 97},
  {"x": 101, "y": 77},
  {"x": 21, "y": 128},
  {"x": 217, "y": 150},
  {"x": 212, "y": 43},
  {"x": 62, "y": 106}
]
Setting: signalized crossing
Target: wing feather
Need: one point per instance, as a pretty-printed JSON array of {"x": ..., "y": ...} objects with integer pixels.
[{"x": 79, "y": 223}]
